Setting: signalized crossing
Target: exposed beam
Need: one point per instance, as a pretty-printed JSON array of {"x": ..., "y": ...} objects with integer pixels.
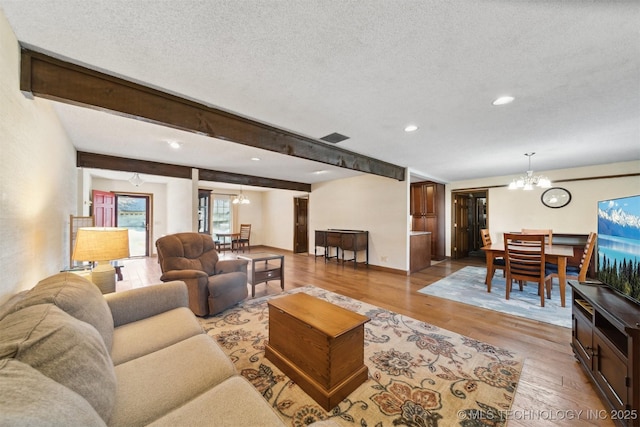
[
  {"x": 255, "y": 181},
  {"x": 48, "y": 77},
  {"x": 102, "y": 161}
]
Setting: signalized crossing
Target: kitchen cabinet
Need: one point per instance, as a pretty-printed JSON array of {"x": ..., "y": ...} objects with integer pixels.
[{"x": 427, "y": 214}]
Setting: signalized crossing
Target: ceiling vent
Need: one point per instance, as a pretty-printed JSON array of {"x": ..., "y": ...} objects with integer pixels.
[{"x": 334, "y": 138}]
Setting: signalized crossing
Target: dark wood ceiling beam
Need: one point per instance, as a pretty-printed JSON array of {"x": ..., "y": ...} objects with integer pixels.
[
  {"x": 255, "y": 181},
  {"x": 102, "y": 161},
  {"x": 52, "y": 78}
]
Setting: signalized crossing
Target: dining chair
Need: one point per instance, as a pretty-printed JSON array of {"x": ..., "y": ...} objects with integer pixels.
[
  {"x": 498, "y": 262},
  {"x": 524, "y": 254},
  {"x": 548, "y": 234},
  {"x": 576, "y": 273},
  {"x": 243, "y": 239}
]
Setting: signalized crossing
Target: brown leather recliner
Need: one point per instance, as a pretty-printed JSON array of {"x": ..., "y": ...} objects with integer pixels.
[{"x": 214, "y": 285}]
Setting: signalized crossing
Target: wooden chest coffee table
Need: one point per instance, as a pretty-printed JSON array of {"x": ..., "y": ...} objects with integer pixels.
[{"x": 318, "y": 345}]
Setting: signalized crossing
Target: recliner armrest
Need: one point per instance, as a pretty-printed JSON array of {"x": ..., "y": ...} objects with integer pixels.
[
  {"x": 140, "y": 303},
  {"x": 182, "y": 275},
  {"x": 231, "y": 265}
]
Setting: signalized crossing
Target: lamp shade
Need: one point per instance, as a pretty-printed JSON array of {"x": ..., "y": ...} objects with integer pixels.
[{"x": 101, "y": 244}]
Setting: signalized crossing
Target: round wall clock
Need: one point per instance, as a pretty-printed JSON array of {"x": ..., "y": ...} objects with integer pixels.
[{"x": 556, "y": 197}]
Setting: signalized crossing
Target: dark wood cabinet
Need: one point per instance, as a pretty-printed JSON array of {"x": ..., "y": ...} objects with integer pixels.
[
  {"x": 606, "y": 341},
  {"x": 338, "y": 241},
  {"x": 204, "y": 211},
  {"x": 419, "y": 251},
  {"x": 427, "y": 214}
]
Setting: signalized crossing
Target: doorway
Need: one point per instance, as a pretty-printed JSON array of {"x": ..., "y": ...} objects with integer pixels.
[
  {"x": 133, "y": 212},
  {"x": 469, "y": 211},
  {"x": 300, "y": 228}
]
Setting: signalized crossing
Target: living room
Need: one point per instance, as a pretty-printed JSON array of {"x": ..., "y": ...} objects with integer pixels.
[{"x": 41, "y": 186}]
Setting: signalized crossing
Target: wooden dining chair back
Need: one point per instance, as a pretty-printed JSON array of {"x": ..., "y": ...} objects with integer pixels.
[
  {"x": 485, "y": 236},
  {"x": 498, "y": 262},
  {"x": 547, "y": 233},
  {"x": 524, "y": 255},
  {"x": 243, "y": 239},
  {"x": 576, "y": 273}
]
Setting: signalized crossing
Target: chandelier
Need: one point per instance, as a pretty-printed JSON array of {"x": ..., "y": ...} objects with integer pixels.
[
  {"x": 528, "y": 181},
  {"x": 241, "y": 199},
  {"x": 136, "y": 180}
]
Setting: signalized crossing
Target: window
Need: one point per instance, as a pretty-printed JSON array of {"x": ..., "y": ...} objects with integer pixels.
[
  {"x": 222, "y": 214},
  {"x": 132, "y": 212}
]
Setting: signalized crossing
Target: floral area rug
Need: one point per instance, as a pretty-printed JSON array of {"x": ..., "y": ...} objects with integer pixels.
[
  {"x": 419, "y": 374},
  {"x": 467, "y": 286}
]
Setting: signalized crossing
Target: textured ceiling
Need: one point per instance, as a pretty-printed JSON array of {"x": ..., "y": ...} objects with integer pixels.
[{"x": 364, "y": 69}]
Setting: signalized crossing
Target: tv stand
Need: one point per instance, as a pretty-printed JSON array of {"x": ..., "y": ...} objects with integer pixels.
[{"x": 606, "y": 341}]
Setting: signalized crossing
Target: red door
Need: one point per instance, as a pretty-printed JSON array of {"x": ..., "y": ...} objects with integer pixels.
[{"x": 104, "y": 208}]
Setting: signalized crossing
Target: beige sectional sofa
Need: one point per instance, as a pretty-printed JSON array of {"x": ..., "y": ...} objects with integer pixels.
[{"x": 71, "y": 356}]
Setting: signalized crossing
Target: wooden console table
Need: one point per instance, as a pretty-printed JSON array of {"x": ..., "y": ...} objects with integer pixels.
[
  {"x": 319, "y": 345},
  {"x": 342, "y": 240},
  {"x": 606, "y": 341}
]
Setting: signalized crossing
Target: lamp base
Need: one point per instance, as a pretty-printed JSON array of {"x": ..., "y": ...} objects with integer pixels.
[{"x": 104, "y": 277}]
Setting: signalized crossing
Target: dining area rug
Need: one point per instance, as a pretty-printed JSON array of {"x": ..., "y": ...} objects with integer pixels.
[
  {"x": 419, "y": 374},
  {"x": 467, "y": 286}
]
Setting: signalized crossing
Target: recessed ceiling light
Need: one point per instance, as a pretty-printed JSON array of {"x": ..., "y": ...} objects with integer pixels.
[
  {"x": 320, "y": 172},
  {"x": 174, "y": 144},
  {"x": 503, "y": 100},
  {"x": 255, "y": 159},
  {"x": 411, "y": 128}
]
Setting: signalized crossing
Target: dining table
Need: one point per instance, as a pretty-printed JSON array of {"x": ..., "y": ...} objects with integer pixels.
[
  {"x": 554, "y": 254},
  {"x": 223, "y": 240}
]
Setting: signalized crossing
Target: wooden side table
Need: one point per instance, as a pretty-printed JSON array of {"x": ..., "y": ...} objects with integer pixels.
[
  {"x": 319, "y": 345},
  {"x": 264, "y": 267}
]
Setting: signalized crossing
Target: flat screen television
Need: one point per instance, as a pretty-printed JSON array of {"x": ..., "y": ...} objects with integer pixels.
[{"x": 619, "y": 245}]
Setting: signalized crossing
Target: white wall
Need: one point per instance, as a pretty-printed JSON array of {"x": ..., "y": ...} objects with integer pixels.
[
  {"x": 251, "y": 214},
  {"x": 367, "y": 202},
  {"x": 177, "y": 213},
  {"x": 277, "y": 218},
  {"x": 512, "y": 210},
  {"x": 37, "y": 180}
]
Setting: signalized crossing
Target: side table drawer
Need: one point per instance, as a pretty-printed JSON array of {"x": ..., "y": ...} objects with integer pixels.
[{"x": 263, "y": 275}]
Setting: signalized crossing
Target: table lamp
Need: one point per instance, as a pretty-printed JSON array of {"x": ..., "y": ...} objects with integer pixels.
[{"x": 102, "y": 245}]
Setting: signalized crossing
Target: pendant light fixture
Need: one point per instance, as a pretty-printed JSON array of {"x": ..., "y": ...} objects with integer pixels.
[
  {"x": 136, "y": 180},
  {"x": 528, "y": 181},
  {"x": 241, "y": 199}
]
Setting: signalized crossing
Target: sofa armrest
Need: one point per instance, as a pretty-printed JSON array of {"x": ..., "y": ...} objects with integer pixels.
[
  {"x": 140, "y": 303},
  {"x": 231, "y": 265},
  {"x": 172, "y": 275}
]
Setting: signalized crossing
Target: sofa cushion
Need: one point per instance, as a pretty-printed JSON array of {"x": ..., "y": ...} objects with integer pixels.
[
  {"x": 32, "y": 399},
  {"x": 78, "y": 297},
  {"x": 154, "y": 333},
  {"x": 152, "y": 385},
  {"x": 136, "y": 304},
  {"x": 220, "y": 404},
  {"x": 65, "y": 349},
  {"x": 9, "y": 306}
]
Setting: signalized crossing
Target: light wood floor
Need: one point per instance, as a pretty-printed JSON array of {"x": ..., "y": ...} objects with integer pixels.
[{"x": 552, "y": 390}]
